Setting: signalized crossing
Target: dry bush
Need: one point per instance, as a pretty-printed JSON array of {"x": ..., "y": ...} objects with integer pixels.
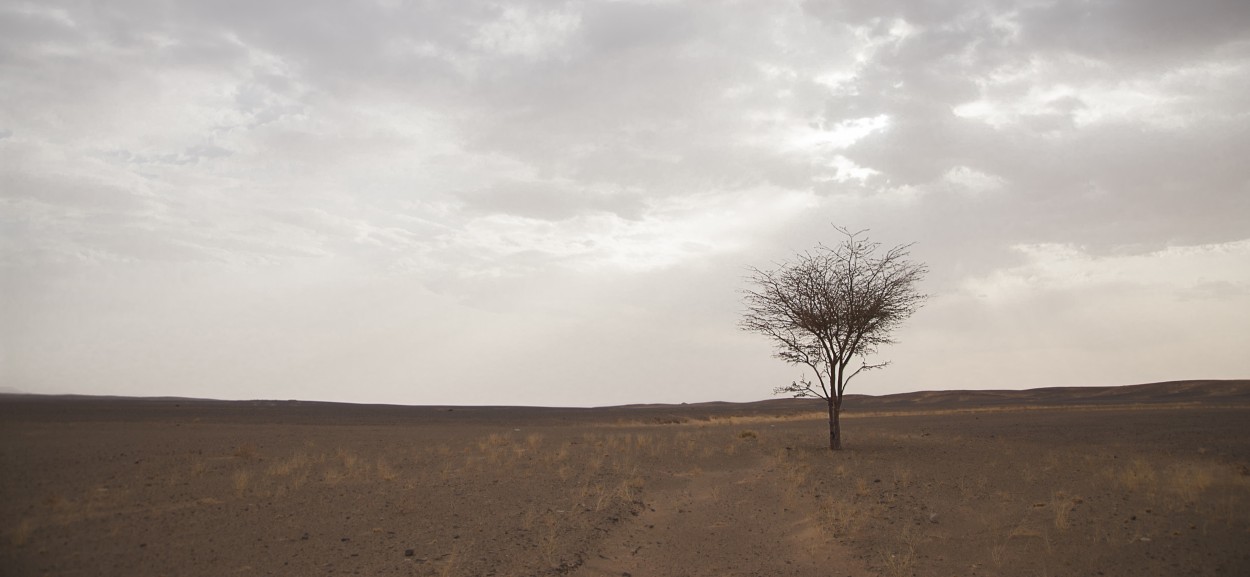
[{"x": 748, "y": 434}]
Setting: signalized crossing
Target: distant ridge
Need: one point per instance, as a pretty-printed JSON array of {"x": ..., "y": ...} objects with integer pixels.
[
  {"x": 1169, "y": 392},
  {"x": 1206, "y": 392}
]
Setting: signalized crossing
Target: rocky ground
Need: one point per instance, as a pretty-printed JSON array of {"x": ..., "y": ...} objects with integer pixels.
[{"x": 1050, "y": 484}]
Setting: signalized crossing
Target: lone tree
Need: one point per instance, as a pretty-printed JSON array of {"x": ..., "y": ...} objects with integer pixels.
[{"x": 829, "y": 306}]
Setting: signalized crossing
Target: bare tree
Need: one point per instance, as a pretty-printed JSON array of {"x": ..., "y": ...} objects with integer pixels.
[{"x": 829, "y": 306}]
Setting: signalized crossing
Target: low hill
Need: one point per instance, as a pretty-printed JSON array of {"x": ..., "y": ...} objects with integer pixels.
[
  {"x": 1171, "y": 392},
  {"x": 90, "y": 408}
]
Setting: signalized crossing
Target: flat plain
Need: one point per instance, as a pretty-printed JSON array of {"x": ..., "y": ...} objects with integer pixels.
[{"x": 1140, "y": 480}]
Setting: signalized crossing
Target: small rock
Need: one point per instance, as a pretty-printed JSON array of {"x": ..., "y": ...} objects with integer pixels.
[{"x": 409, "y": 552}]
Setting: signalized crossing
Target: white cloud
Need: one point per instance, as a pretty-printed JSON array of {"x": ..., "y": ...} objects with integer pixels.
[
  {"x": 837, "y": 136},
  {"x": 518, "y": 32},
  {"x": 846, "y": 170},
  {"x": 1089, "y": 93},
  {"x": 674, "y": 232},
  {"x": 1166, "y": 273},
  {"x": 969, "y": 181}
]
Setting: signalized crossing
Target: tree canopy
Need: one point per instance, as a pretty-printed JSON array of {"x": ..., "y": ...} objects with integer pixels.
[{"x": 828, "y": 306}]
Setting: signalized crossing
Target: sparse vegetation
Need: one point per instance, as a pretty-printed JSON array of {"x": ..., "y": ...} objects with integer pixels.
[{"x": 561, "y": 495}]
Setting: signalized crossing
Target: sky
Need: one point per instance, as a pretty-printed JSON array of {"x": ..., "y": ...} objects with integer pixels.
[{"x": 556, "y": 203}]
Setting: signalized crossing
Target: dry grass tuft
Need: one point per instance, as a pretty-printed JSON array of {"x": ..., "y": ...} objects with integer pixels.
[
  {"x": 1062, "y": 505},
  {"x": 241, "y": 480},
  {"x": 902, "y": 476},
  {"x": 1190, "y": 482},
  {"x": 449, "y": 565},
  {"x": 899, "y": 563},
  {"x": 22, "y": 533},
  {"x": 385, "y": 472},
  {"x": 861, "y": 487},
  {"x": 838, "y": 516},
  {"x": 1140, "y": 475},
  {"x": 351, "y": 462},
  {"x": 549, "y": 542},
  {"x": 290, "y": 466},
  {"x": 493, "y": 441},
  {"x": 998, "y": 554},
  {"x": 245, "y": 451},
  {"x": 628, "y": 490}
]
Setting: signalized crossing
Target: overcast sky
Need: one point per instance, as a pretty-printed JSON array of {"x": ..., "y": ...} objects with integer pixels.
[{"x": 551, "y": 203}]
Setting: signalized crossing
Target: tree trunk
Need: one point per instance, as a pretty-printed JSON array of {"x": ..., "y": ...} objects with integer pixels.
[{"x": 835, "y": 429}]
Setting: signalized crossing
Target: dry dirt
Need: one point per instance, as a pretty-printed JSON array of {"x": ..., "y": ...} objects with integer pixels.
[{"x": 1153, "y": 480}]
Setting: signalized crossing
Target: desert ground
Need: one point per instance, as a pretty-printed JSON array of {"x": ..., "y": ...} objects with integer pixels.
[{"x": 1141, "y": 480}]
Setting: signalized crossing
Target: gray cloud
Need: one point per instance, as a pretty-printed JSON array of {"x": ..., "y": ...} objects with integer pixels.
[{"x": 550, "y": 171}]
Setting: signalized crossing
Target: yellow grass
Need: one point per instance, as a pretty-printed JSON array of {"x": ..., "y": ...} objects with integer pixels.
[
  {"x": 1138, "y": 476},
  {"x": 241, "y": 481},
  {"x": 1062, "y": 505},
  {"x": 245, "y": 451},
  {"x": 22, "y": 533},
  {"x": 385, "y": 472}
]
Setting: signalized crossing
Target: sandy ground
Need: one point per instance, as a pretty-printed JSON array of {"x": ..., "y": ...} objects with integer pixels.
[{"x": 1136, "y": 481}]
